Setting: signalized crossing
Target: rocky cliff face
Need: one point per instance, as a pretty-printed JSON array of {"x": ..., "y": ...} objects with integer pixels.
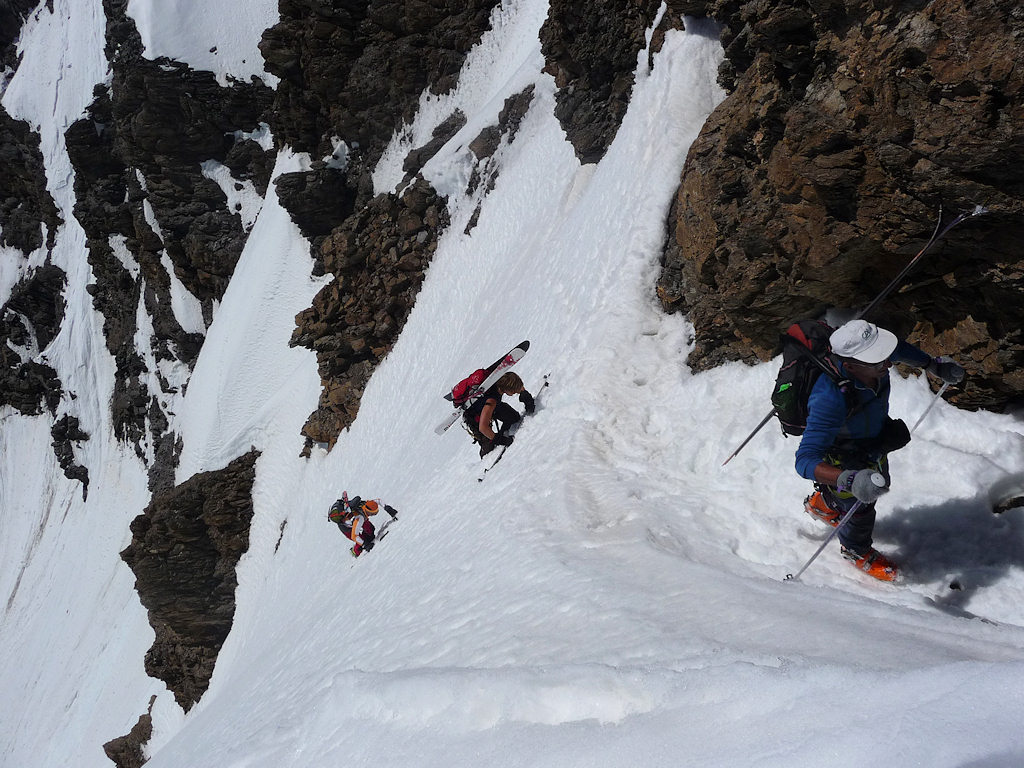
[
  {"x": 185, "y": 546},
  {"x": 152, "y": 215},
  {"x": 591, "y": 51},
  {"x": 31, "y": 314},
  {"x": 354, "y": 72},
  {"x": 847, "y": 126},
  {"x": 127, "y": 751},
  {"x": 378, "y": 257}
]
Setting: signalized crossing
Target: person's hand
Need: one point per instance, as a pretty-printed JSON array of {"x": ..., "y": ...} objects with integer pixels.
[
  {"x": 865, "y": 484},
  {"x": 947, "y": 370},
  {"x": 527, "y": 400},
  {"x": 500, "y": 439}
]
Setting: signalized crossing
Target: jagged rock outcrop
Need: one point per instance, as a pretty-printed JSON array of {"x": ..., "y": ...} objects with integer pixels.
[
  {"x": 185, "y": 546},
  {"x": 66, "y": 431},
  {"x": 318, "y": 200},
  {"x": 12, "y": 15},
  {"x": 27, "y": 212},
  {"x": 29, "y": 320},
  {"x": 486, "y": 144},
  {"x": 30, "y": 316},
  {"x": 150, "y": 212},
  {"x": 821, "y": 174},
  {"x": 127, "y": 751},
  {"x": 591, "y": 51},
  {"x": 378, "y": 257},
  {"x": 356, "y": 70}
]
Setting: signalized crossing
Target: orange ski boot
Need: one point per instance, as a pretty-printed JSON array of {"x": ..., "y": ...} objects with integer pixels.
[
  {"x": 873, "y": 563},
  {"x": 815, "y": 506}
]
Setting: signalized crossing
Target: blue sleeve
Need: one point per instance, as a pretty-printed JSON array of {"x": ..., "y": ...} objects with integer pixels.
[
  {"x": 906, "y": 352},
  {"x": 826, "y": 414}
]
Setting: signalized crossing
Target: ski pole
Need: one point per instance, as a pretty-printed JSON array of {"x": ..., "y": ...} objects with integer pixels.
[
  {"x": 879, "y": 481},
  {"x": 750, "y": 436},
  {"x": 931, "y": 405},
  {"x": 937, "y": 235}
]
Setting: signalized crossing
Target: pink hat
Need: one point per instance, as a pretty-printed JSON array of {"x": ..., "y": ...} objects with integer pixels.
[{"x": 863, "y": 341}]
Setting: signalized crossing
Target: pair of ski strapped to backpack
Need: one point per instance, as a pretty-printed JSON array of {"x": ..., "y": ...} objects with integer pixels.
[{"x": 470, "y": 389}]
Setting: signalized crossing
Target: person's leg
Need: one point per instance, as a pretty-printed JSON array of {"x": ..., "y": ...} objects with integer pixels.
[
  {"x": 507, "y": 415},
  {"x": 855, "y": 535}
]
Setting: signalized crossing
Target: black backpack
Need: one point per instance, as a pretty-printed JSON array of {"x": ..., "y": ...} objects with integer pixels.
[{"x": 806, "y": 354}]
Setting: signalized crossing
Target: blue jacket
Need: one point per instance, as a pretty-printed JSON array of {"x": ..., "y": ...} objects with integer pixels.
[{"x": 827, "y": 412}]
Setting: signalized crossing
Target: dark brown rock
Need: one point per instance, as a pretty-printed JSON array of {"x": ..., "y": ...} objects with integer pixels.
[
  {"x": 356, "y": 70},
  {"x": 25, "y": 205},
  {"x": 591, "y": 51},
  {"x": 378, "y": 258},
  {"x": 29, "y": 321},
  {"x": 185, "y": 546},
  {"x": 12, "y": 15},
  {"x": 317, "y": 200},
  {"x": 126, "y": 751},
  {"x": 141, "y": 143},
  {"x": 822, "y": 172},
  {"x": 65, "y": 431}
]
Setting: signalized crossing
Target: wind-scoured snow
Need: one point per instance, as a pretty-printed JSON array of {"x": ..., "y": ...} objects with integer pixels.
[
  {"x": 222, "y": 37},
  {"x": 607, "y": 595}
]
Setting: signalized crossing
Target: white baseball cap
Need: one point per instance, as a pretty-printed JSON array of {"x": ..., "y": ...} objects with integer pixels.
[{"x": 863, "y": 341}]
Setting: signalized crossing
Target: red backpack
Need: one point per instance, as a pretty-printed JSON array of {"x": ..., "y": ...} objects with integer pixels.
[{"x": 468, "y": 386}]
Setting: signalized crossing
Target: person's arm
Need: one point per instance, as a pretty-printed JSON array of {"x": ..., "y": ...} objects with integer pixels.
[
  {"x": 827, "y": 474},
  {"x": 826, "y": 413},
  {"x": 947, "y": 370},
  {"x": 527, "y": 400},
  {"x": 486, "y": 414},
  {"x": 908, "y": 354}
]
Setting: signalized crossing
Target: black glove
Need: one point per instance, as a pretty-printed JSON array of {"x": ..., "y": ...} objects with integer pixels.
[
  {"x": 391, "y": 511},
  {"x": 946, "y": 369},
  {"x": 894, "y": 435},
  {"x": 527, "y": 400},
  {"x": 862, "y": 483},
  {"x": 500, "y": 439}
]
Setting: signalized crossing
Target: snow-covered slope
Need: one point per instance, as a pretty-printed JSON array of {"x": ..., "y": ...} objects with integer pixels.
[{"x": 608, "y": 595}]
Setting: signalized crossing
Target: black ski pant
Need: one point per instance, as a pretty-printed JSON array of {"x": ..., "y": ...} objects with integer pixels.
[
  {"x": 856, "y": 535},
  {"x": 503, "y": 413}
]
